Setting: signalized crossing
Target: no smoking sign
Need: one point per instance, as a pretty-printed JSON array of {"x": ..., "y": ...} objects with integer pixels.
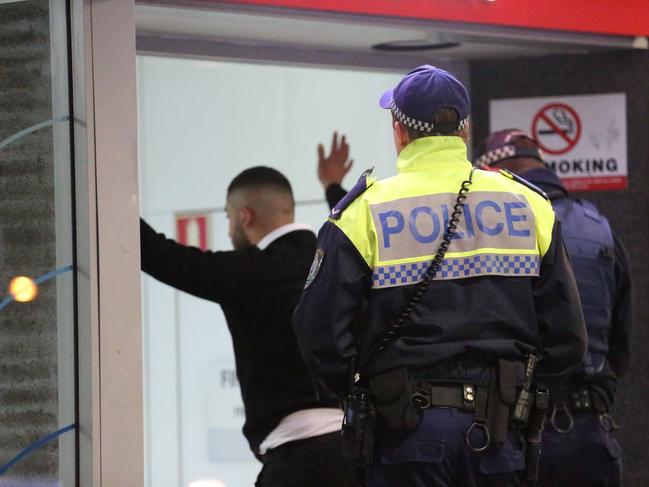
[
  {"x": 556, "y": 128},
  {"x": 583, "y": 137}
]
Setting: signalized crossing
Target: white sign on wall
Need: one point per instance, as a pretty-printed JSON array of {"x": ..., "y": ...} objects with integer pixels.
[
  {"x": 224, "y": 403},
  {"x": 224, "y": 413},
  {"x": 583, "y": 138}
]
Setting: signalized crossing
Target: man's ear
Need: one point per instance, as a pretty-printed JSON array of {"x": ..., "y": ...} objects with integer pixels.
[
  {"x": 246, "y": 217},
  {"x": 401, "y": 138}
]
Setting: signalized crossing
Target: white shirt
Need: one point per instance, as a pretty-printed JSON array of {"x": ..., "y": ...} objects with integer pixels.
[
  {"x": 306, "y": 423},
  {"x": 280, "y": 232}
]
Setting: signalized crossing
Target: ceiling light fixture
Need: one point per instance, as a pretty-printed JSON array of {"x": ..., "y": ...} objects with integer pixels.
[{"x": 411, "y": 46}]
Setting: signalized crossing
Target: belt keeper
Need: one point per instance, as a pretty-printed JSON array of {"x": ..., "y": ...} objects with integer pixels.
[
  {"x": 468, "y": 393},
  {"x": 479, "y": 421},
  {"x": 421, "y": 398}
]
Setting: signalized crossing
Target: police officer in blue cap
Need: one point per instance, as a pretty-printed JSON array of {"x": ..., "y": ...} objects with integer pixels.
[
  {"x": 579, "y": 425},
  {"x": 432, "y": 297}
]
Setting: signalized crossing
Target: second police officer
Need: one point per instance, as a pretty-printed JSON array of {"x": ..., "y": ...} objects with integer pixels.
[
  {"x": 442, "y": 350},
  {"x": 579, "y": 423}
]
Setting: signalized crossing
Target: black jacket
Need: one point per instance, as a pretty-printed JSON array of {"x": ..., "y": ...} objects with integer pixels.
[{"x": 257, "y": 290}]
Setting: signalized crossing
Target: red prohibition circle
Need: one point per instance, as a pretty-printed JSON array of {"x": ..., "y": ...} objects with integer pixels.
[{"x": 541, "y": 116}]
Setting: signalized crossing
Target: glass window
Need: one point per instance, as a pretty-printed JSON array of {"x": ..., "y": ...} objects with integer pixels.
[{"x": 37, "y": 343}]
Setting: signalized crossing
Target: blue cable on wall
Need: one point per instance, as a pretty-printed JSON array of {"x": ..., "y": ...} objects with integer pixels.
[
  {"x": 31, "y": 129},
  {"x": 35, "y": 446}
]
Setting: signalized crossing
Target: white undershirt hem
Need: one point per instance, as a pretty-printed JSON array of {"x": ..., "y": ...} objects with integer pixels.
[{"x": 301, "y": 425}]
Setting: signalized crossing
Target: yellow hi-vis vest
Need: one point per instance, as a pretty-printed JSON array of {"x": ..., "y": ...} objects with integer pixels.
[{"x": 398, "y": 223}]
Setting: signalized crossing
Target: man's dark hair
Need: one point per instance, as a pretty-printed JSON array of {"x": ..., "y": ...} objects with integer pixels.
[
  {"x": 445, "y": 122},
  {"x": 261, "y": 177}
]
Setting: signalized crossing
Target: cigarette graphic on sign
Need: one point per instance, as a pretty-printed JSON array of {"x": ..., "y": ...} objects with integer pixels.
[{"x": 556, "y": 128}]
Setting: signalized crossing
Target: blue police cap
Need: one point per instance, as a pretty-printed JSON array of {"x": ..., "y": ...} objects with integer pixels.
[{"x": 422, "y": 93}]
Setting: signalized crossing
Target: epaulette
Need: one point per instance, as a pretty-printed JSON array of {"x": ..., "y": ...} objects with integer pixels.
[
  {"x": 524, "y": 182},
  {"x": 590, "y": 210},
  {"x": 364, "y": 182}
]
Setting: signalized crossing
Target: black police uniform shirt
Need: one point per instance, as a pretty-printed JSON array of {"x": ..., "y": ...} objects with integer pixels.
[
  {"x": 257, "y": 290},
  {"x": 494, "y": 303},
  {"x": 615, "y": 295}
]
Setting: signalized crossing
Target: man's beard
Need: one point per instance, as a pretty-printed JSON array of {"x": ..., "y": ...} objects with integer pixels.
[{"x": 239, "y": 239}]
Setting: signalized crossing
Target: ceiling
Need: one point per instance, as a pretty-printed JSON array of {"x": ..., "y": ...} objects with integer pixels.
[{"x": 169, "y": 26}]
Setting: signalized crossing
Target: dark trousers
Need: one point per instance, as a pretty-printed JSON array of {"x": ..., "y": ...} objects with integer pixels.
[
  {"x": 314, "y": 462},
  {"x": 586, "y": 456},
  {"x": 436, "y": 455}
]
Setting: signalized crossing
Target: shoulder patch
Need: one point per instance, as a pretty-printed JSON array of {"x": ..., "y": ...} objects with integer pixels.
[
  {"x": 524, "y": 182},
  {"x": 364, "y": 182},
  {"x": 315, "y": 268}
]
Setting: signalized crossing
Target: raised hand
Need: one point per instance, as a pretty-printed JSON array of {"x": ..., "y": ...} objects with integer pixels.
[{"x": 334, "y": 167}]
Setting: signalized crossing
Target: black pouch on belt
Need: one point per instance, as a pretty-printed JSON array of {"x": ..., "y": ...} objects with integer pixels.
[
  {"x": 391, "y": 392},
  {"x": 502, "y": 395}
]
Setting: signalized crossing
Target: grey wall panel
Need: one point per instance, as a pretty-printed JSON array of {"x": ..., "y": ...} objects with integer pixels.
[{"x": 626, "y": 72}]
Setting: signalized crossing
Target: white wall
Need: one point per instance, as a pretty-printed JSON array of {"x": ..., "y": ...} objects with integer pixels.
[{"x": 201, "y": 123}]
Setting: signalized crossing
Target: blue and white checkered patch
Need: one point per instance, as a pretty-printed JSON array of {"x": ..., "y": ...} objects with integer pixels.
[{"x": 458, "y": 268}]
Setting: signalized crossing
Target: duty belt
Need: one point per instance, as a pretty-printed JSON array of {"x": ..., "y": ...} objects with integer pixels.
[
  {"x": 578, "y": 401},
  {"x": 497, "y": 406},
  {"x": 467, "y": 397},
  {"x": 462, "y": 396}
]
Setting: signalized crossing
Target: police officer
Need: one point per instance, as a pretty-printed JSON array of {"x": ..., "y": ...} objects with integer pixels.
[
  {"x": 441, "y": 373},
  {"x": 579, "y": 422}
]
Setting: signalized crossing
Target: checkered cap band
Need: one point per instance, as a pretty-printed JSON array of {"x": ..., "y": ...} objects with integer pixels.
[
  {"x": 418, "y": 124},
  {"x": 491, "y": 157},
  {"x": 458, "y": 268}
]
